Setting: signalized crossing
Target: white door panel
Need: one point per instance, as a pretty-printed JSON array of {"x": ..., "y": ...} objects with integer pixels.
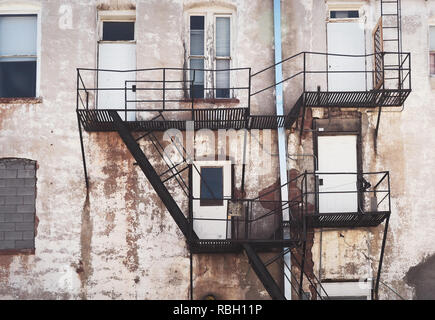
[
  {"x": 116, "y": 56},
  {"x": 204, "y": 226},
  {"x": 346, "y": 38},
  {"x": 337, "y": 154}
]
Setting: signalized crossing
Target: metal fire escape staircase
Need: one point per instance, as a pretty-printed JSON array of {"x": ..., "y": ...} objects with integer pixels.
[
  {"x": 158, "y": 183},
  {"x": 391, "y": 87}
]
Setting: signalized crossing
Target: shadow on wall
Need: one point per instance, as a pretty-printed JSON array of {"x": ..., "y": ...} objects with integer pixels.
[{"x": 422, "y": 278}]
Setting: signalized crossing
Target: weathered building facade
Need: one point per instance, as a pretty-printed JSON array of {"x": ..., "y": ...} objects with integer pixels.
[{"x": 117, "y": 233}]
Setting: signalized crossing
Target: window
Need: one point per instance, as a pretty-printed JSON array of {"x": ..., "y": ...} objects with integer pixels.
[
  {"x": 344, "y": 14},
  {"x": 118, "y": 31},
  {"x": 17, "y": 204},
  {"x": 432, "y": 50},
  {"x": 197, "y": 55},
  {"x": 223, "y": 57},
  {"x": 18, "y": 55},
  {"x": 218, "y": 85},
  {"x": 212, "y": 186}
]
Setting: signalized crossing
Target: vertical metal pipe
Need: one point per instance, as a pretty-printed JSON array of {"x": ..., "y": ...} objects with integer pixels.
[
  {"x": 83, "y": 152},
  {"x": 164, "y": 85},
  {"x": 281, "y": 131},
  {"x": 381, "y": 258},
  {"x": 249, "y": 95}
]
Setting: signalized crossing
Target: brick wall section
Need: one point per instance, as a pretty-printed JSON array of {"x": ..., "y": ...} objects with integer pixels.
[{"x": 17, "y": 204}]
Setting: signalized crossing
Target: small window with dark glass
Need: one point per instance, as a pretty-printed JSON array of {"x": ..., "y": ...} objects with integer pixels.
[
  {"x": 196, "y": 57},
  {"x": 344, "y": 14},
  {"x": 212, "y": 186},
  {"x": 18, "y": 34},
  {"x": 118, "y": 31}
]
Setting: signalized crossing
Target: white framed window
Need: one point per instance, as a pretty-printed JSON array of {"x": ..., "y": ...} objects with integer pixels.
[
  {"x": 432, "y": 50},
  {"x": 352, "y": 290},
  {"x": 343, "y": 14},
  {"x": 214, "y": 52},
  {"x": 19, "y": 59},
  {"x": 117, "y": 25}
]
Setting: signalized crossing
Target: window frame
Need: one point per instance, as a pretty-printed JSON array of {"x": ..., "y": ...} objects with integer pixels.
[
  {"x": 358, "y": 6},
  {"x": 26, "y": 10},
  {"x": 116, "y": 16},
  {"x": 228, "y": 58}
]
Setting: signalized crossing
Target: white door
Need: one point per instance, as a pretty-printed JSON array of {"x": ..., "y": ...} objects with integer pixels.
[
  {"x": 337, "y": 154},
  {"x": 117, "y": 56},
  {"x": 210, "y": 219},
  {"x": 346, "y": 38}
]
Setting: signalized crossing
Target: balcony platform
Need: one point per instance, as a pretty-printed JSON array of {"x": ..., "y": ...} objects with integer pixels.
[
  {"x": 236, "y": 246},
  {"x": 346, "y": 219},
  {"x": 99, "y": 120},
  {"x": 356, "y": 99}
]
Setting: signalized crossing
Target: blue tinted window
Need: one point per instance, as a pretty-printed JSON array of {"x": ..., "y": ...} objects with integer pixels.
[{"x": 212, "y": 186}]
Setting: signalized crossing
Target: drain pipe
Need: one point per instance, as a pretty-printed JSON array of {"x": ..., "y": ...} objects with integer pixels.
[{"x": 281, "y": 137}]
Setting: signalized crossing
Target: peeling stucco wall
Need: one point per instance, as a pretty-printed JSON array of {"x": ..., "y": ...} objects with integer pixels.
[
  {"x": 403, "y": 148},
  {"x": 118, "y": 241}
]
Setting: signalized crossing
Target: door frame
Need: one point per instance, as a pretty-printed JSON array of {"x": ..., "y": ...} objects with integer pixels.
[
  {"x": 356, "y": 131},
  {"x": 112, "y": 16},
  {"x": 358, "y": 6}
]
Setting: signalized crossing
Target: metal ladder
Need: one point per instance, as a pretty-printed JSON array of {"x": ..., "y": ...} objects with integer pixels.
[{"x": 391, "y": 14}]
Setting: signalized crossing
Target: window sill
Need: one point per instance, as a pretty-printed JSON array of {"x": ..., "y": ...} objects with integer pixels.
[
  {"x": 20, "y": 100},
  {"x": 214, "y": 101},
  {"x": 10, "y": 252}
]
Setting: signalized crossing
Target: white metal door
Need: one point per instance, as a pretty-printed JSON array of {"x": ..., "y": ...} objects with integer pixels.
[
  {"x": 210, "y": 221},
  {"x": 346, "y": 38},
  {"x": 117, "y": 56},
  {"x": 337, "y": 154}
]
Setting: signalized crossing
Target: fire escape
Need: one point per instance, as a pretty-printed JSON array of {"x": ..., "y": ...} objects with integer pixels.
[{"x": 166, "y": 100}]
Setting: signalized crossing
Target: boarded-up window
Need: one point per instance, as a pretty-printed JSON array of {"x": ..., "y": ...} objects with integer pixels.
[
  {"x": 17, "y": 204},
  {"x": 18, "y": 34}
]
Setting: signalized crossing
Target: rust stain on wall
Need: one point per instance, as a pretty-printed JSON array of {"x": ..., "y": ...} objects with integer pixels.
[
  {"x": 85, "y": 267},
  {"x": 132, "y": 259}
]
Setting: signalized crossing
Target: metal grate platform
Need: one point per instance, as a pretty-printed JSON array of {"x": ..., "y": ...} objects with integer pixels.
[{"x": 346, "y": 219}]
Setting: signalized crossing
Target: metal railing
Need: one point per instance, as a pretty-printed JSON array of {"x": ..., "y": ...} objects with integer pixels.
[
  {"x": 305, "y": 64},
  {"x": 157, "y": 89},
  {"x": 248, "y": 220},
  {"x": 175, "y": 90}
]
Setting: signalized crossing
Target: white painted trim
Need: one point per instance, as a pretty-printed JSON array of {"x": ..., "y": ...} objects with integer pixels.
[{"x": 117, "y": 15}]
